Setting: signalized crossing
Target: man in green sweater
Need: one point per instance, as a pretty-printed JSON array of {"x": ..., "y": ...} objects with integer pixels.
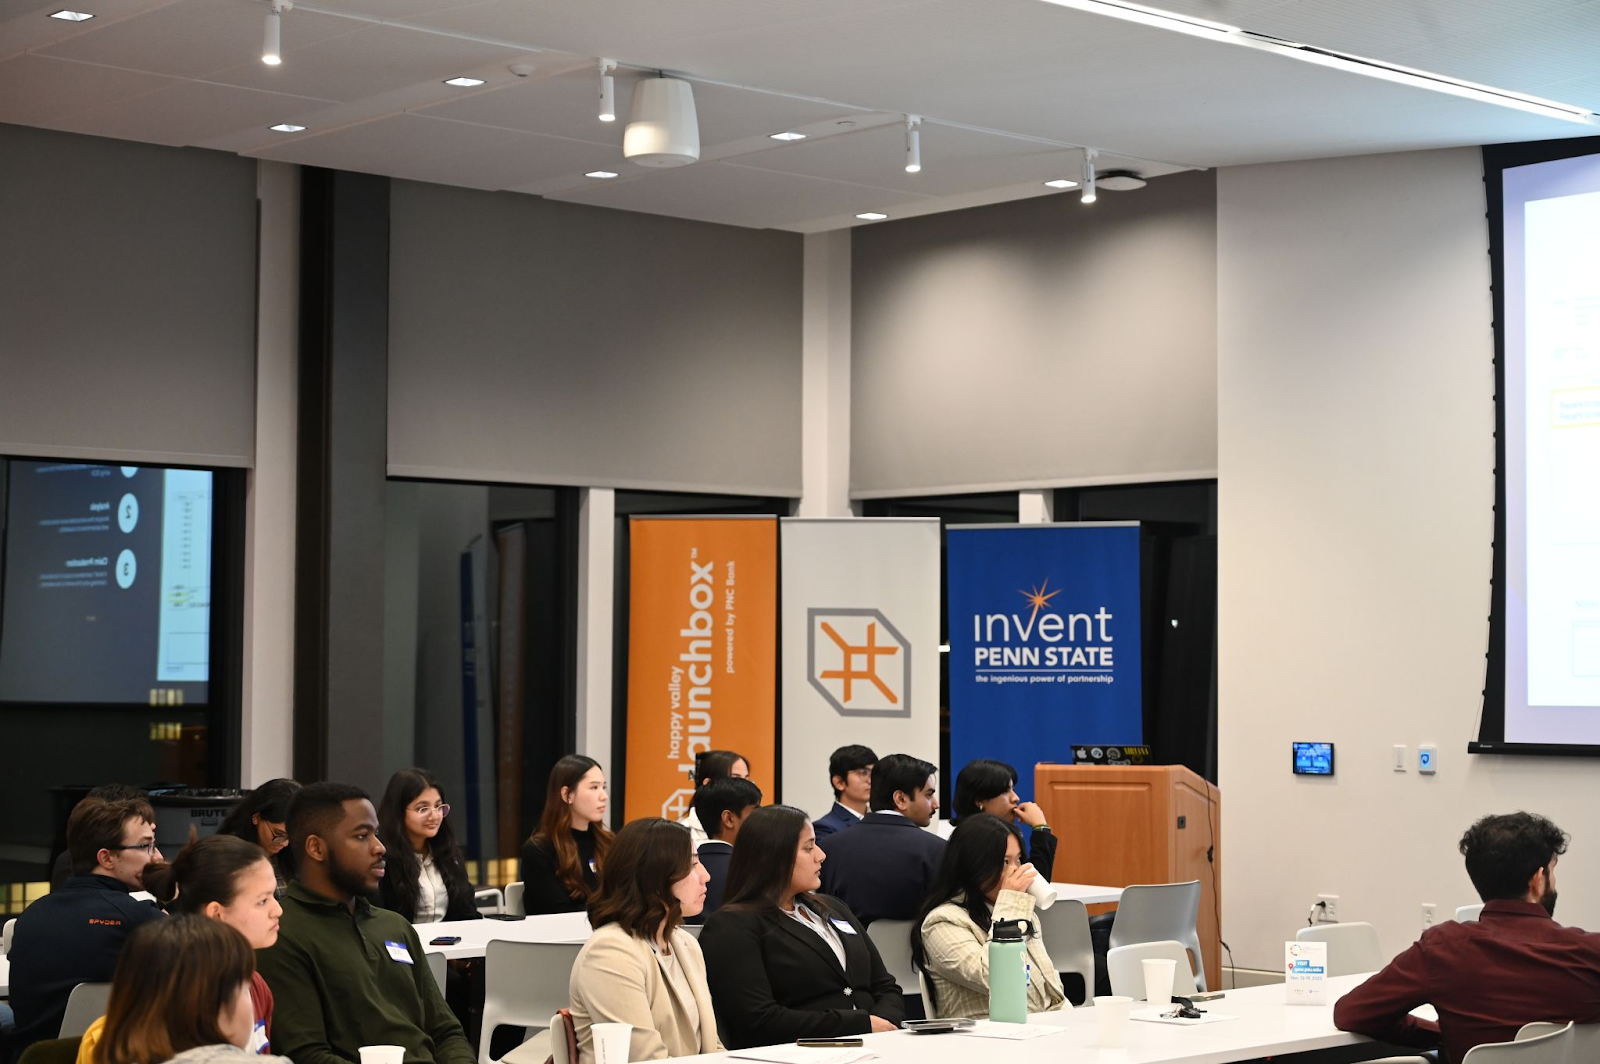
[{"x": 343, "y": 973}]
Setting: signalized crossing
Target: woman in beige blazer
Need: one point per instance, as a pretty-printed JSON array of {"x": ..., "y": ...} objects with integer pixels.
[
  {"x": 981, "y": 880},
  {"x": 639, "y": 966}
]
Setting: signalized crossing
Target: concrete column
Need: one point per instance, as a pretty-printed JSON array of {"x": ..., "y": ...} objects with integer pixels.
[
  {"x": 825, "y": 376},
  {"x": 597, "y": 512},
  {"x": 1036, "y": 507}
]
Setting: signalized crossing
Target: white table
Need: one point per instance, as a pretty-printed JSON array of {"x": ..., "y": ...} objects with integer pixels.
[
  {"x": 477, "y": 934},
  {"x": 574, "y": 927},
  {"x": 1266, "y": 1027}
]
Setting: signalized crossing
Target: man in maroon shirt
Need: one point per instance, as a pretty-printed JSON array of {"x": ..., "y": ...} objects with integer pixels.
[{"x": 1488, "y": 977}]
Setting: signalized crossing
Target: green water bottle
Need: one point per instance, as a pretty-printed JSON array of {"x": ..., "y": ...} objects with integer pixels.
[{"x": 1008, "y": 971}]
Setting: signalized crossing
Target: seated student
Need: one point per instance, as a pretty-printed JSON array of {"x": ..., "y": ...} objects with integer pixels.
[
  {"x": 262, "y": 818},
  {"x": 561, "y": 859},
  {"x": 182, "y": 993},
  {"x": 785, "y": 962},
  {"x": 850, "y": 775},
  {"x": 425, "y": 879},
  {"x": 638, "y": 966},
  {"x": 982, "y": 879},
  {"x": 722, "y": 806},
  {"x": 73, "y": 935},
  {"x": 61, "y": 871},
  {"x": 712, "y": 765},
  {"x": 986, "y": 786},
  {"x": 1487, "y": 977},
  {"x": 345, "y": 973},
  {"x": 221, "y": 878},
  {"x": 882, "y": 868}
]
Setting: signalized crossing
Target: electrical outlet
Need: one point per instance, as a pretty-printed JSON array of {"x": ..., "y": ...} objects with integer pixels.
[
  {"x": 1399, "y": 757},
  {"x": 1330, "y": 908},
  {"x": 1430, "y": 914}
]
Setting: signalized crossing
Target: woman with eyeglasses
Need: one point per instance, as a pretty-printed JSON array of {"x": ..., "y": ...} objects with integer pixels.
[
  {"x": 262, "y": 818},
  {"x": 426, "y": 879}
]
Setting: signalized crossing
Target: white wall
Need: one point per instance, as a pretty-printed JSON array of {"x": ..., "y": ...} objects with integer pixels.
[{"x": 1355, "y": 452}]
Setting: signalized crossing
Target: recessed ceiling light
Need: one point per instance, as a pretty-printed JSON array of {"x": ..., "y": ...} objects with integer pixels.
[
  {"x": 872, "y": 216},
  {"x": 287, "y": 127},
  {"x": 465, "y": 83},
  {"x": 72, "y": 16},
  {"x": 787, "y": 135},
  {"x": 1061, "y": 182},
  {"x": 603, "y": 175}
]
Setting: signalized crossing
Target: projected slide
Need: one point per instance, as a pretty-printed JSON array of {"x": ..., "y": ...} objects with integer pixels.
[
  {"x": 1552, "y": 372},
  {"x": 107, "y": 584}
]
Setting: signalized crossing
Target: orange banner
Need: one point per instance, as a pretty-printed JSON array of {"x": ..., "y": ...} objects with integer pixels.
[{"x": 702, "y": 653}]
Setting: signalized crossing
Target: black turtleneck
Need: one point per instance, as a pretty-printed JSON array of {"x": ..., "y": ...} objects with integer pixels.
[{"x": 544, "y": 892}]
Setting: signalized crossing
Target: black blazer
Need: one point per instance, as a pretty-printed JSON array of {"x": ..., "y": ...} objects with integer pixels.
[
  {"x": 714, "y": 857},
  {"x": 883, "y": 867},
  {"x": 773, "y": 980}
]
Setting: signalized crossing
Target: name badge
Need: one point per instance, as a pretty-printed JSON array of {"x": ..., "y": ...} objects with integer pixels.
[
  {"x": 843, "y": 926},
  {"x": 399, "y": 952}
]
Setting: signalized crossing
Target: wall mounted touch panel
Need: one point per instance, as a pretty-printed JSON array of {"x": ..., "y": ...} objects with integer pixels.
[
  {"x": 1035, "y": 343},
  {"x": 127, "y": 293},
  {"x": 550, "y": 343}
]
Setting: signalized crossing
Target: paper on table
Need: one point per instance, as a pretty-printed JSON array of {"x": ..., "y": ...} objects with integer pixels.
[
  {"x": 1012, "y": 1031},
  {"x": 802, "y": 1055},
  {"x": 1155, "y": 1015}
]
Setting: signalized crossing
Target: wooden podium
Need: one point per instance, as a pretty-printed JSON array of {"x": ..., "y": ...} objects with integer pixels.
[{"x": 1125, "y": 824}]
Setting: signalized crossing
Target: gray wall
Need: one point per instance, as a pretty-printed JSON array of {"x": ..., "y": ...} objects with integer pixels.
[
  {"x": 1037, "y": 343},
  {"x": 548, "y": 343},
  {"x": 127, "y": 297}
]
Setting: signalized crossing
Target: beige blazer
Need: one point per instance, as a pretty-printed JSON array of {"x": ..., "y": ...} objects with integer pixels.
[
  {"x": 617, "y": 979},
  {"x": 956, "y": 952}
]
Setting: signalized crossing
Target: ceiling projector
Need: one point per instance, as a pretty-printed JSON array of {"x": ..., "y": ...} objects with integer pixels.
[{"x": 663, "y": 130}]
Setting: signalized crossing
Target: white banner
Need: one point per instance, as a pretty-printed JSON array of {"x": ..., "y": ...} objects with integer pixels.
[{"x": 860, "y": 645}]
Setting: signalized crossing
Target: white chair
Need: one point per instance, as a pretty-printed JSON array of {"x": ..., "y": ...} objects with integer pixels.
[
  {"x": 86, "y": 1004},
  {"x": 438, "y": 966},
  {"x": 893, "y": 939},
  {"x": 489, "y": 900},
  {"x": 1552, "y": 1048},
  {"x": 524, "y": 983},
  {"x": 5, "y": 937},
  {"x": 1065, "y": 929},
  {"x": 560, "y": 1026},
  {"x": 1352, "y": 948},
  {"x": 1464, "y": 913},
  {"x": 1585, "y": 1038},
  {"x": 1160, "y": 911},
  {"x": 1125, "y": 965},
  {"x": 514, "y": 903},
  {"x": 929, "y": 1007},
  {"x": 693, "y": 929}
]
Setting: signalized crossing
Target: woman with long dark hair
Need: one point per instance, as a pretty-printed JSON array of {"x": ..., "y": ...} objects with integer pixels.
[
  {"x": 561, "y": 860},
  {"x": 982, "y": 879},
  {"x": 986, "y": 786},
  {"x": 639, "y": 967},
  {"x": 263, "y": 818},
  {"x": 426, "y": 879},
  {"x": 711, "y": 765},
  {"x": 783, "y": 961}
]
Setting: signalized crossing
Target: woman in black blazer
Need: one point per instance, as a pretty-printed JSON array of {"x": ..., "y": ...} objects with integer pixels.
[{"x": 773, "y": 950}]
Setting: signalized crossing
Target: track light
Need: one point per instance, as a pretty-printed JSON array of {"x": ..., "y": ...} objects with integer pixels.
[
  {"x": 913, "y": 144},
  {"x": 608, "y": 92},
  {"x": 1088, "y": 176},
  {"x": 272, "y": 45}
]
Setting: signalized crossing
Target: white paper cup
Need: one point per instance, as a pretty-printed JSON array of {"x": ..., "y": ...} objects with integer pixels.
[
  {"x": 383, "y": 1054},
  {"x": 1044, "y": 895},
  {"x": 1158, "y": 976},
  {"x": 1112, "y": 1013},
  {"x": 610, "y": 1042}
]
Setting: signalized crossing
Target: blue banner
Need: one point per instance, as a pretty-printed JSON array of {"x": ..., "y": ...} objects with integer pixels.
[{"x": 1044, "y": 642}]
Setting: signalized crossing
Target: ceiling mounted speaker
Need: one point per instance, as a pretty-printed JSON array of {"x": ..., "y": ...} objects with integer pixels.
[
  {"x": 663, "y": 130},
  {"x": 1120, "y": 180}
]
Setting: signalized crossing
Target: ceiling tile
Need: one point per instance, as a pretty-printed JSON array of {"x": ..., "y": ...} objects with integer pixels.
[
  {"x": 39, "y": 91},
  {"x": 190, "y": 113}
]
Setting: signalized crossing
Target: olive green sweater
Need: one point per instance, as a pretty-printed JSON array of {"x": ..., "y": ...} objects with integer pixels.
[{"x": 337, "y": 986}]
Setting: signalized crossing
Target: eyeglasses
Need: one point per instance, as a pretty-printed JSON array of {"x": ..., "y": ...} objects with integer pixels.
[
  {"x": 149, "y": 848},
  {"x": 443, "y": 809},
  {"x": 280, "y": 836}
]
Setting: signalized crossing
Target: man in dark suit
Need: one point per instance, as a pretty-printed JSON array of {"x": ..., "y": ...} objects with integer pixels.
[
  {"x": 883, "y": 867},
  {"x": 721, "y": 807},
  {"x": 850, "y": 773}
]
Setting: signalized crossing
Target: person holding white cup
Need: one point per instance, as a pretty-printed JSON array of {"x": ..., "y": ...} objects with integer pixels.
[{"x": 982, "y": 879}]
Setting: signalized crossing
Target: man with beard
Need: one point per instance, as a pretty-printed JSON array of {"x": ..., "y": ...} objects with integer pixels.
[
  {"x": 1488, "y": 977},
  {"x": 345, "y": 974}
]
